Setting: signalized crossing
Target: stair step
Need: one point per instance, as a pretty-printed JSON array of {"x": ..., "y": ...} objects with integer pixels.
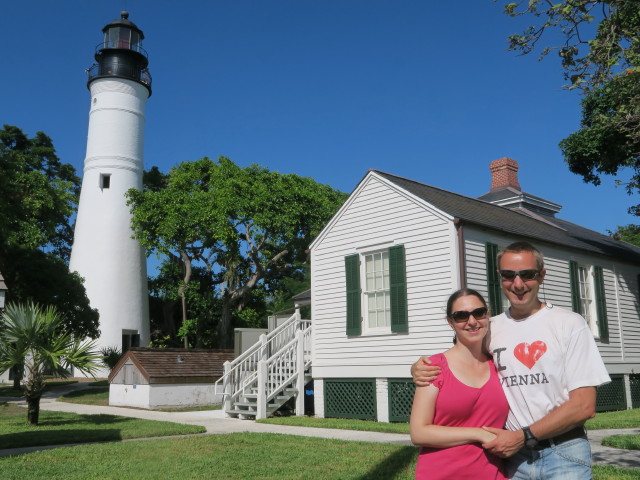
[{"x": 241, "y": 412}]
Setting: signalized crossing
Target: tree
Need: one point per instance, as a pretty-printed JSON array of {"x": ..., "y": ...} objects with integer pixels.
[
  {"x": 43, "y": 278},
  {"x": 598, "y": 38},
  {"x": 38, "y": 194},
  {"x": 202, "y": 308},
  {"x": 609, "y": 137},
  {"x": 36, "y": 339},
  {"x": 628, "y": 233},
  {"x": 600, "y": 55},
  {"x": 247, "y": 226}
]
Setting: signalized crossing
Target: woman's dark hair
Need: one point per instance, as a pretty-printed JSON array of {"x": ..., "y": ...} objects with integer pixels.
[{"x": 463, "y": 292}]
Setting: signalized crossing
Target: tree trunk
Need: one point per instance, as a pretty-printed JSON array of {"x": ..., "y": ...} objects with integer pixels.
[
  {"x": 224, "y": 339},
  {"x": 18, "y": 372},
  {"x": 168, "y": 320},
  {"x": 33, "y": 410},
  {"x": 186, "y": 263}
]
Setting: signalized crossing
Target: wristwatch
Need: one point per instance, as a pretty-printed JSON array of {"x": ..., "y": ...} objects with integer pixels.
[{"x": 530, "y": 439}]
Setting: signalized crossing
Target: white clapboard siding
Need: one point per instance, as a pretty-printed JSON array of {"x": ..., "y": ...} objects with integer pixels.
[
  {"x": 378, "y": 214},
  {"x": 620, "y": 283},
  {"x": 628, "y": 304}
]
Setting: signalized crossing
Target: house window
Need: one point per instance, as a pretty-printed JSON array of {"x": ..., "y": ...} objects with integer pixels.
[
  {"x": 381, "y": 306},
  {"x": 377, "y": 294},
  {"x": 588, "y": 297},
  {"x": 105, "y": 180},
  {"x": 585, "y": 291}
]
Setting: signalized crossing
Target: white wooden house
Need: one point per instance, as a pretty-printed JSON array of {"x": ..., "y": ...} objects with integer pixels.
[{"x": 384, "y": 266}]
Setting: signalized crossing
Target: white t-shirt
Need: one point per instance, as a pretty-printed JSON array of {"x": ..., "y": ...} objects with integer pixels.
[{"x": 541, "y": 358}]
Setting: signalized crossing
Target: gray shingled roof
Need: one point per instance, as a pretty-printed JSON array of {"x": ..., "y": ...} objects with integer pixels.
[
  {"x": 551, "y": 230},
  {"x": 176, "y": 365}
]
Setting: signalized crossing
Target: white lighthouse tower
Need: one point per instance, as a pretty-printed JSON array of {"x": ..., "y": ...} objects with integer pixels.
[{"x": 104, "y": 254}]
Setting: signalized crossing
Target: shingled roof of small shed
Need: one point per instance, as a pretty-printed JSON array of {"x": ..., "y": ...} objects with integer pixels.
[{"x": 176, "y": 363}]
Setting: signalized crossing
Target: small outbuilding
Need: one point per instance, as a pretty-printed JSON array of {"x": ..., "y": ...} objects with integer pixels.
[{"x": 159, "y": 377}]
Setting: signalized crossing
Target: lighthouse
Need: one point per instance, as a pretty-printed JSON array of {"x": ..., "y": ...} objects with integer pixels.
[{"x": 112, "y": 263}]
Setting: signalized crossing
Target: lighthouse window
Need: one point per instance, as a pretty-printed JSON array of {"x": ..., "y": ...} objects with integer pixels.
[
  {"x": 135, "y": 39},
  {"x": 105, "y": 181}
]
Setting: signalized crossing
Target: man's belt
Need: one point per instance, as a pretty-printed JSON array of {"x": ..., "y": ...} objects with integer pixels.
[{"x": 577, "y": 432}]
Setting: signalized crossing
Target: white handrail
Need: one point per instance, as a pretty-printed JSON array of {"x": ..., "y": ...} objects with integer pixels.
[
  {"x": 241, "y": 372},
  {"x": 284, "y": 367}
]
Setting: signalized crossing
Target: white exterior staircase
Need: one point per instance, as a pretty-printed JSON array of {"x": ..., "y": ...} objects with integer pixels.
[{"x": 268, "y": 374}]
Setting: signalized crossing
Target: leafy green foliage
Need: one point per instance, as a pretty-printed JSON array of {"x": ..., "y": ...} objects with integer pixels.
[
  {"x": 110, "y": 356},
  {"x": 609, "y": 138},
  {"x": 599, "y": 38},
  {"x": 38, "y": 193},
  {"x": 600, "y": 53},
  {"x": 168, "y": 328},
  {"x": 247, "y": 227},
  {"x": 43, "y": 278},
  {"x": 628, "y": 233},
  {"x": 33, "y": 338},
  {"x": 38, "y": 196}
]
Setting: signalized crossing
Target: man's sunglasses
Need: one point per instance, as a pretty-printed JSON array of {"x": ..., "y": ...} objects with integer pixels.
[
  {"x": 525, "y": 275},
  {"x": 463, "y": 315}
]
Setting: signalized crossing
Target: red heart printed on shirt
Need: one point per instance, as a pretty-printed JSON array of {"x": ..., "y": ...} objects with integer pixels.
[{"x": 529, "y": 354}]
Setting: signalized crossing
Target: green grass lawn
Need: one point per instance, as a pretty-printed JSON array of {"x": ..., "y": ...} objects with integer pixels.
[
  {"x": 237, "y": 456},
  {"x": 87, "y": 396},
  {"x": 339, "y": 423},
  {"x": 50, "y": 385},
  {"x": 621, "y": 419},
  {"x": 59, "y": 428},
  {"x": 629, "y": 442},
  {"x": 234, "y": 456}
]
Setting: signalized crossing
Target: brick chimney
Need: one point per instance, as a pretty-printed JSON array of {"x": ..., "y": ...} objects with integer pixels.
[{"x": 504, "y": 173}]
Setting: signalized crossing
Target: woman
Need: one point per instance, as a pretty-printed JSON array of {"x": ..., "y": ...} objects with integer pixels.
[{"x": 447, "y": 416}]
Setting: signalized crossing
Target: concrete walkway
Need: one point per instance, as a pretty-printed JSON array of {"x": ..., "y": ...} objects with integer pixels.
[{"x": 216, "y": 422}]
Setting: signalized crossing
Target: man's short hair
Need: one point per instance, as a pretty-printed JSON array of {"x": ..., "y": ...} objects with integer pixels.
[{"x": 519, "y": 247}]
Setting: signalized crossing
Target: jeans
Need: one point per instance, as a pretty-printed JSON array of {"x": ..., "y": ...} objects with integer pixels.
[{"x": 571, "y": 460}]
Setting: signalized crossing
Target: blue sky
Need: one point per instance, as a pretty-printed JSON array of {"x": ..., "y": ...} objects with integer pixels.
[{"x": 324, "y": 89}]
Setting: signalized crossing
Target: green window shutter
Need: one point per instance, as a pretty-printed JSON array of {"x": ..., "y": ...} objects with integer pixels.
[
  {"x": 494, "y": 283},
  {"x": 575, "y": 287},
  {"x": 352, "y": 270},
  {"x": 601, "y": 304},
  {"x": 398, "y": 289}
]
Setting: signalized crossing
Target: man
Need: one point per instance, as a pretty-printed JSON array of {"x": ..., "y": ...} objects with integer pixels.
[{"x": 549, "y": 367}]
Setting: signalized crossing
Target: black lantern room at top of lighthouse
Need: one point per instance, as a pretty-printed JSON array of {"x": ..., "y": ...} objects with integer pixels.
[{"x": 120, "y": 54}]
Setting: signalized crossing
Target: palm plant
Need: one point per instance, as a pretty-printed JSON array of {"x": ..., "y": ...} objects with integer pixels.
[
  {"x": 110, "y": 356},
  {"x": 34, "y": 337}
]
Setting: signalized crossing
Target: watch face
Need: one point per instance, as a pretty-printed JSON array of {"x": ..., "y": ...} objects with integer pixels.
[{"x": 531, "y": 442}]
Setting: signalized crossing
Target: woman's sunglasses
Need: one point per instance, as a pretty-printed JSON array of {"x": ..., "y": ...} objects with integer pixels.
[
  {"x": 463, "y": 315},
  {"x": 525, "y": 275}
]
